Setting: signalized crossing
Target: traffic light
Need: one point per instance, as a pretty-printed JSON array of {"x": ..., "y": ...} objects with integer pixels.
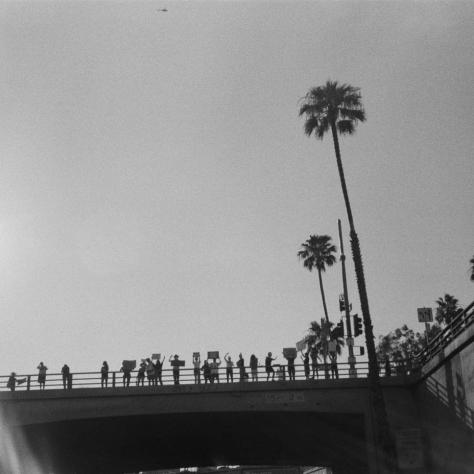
[
  {"x": 342, "y": 305},
  {"x": 362, "y": 350},
  {"x": 338, "y": 331},
  {"x": 357, "y": 325}
]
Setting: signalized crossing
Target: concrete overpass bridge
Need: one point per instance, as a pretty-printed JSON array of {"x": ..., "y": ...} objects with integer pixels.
[{"x": 302, "y": 422}]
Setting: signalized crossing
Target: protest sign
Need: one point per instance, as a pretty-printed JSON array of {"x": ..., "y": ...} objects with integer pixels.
[
  {"x": 213, "y": 355},
  {"x": 300, "y": 345},
  {"x": 156, "y": 356},
  {"x": 289, "y": 353},
  {"x": 129, "y": 364}
]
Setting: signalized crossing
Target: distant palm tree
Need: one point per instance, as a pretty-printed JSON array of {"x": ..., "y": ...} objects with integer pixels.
[
  {"x": 448, "y": 308},
  {"x": 318, "y": 252},
  {"x": 318, "y": 340},
  {"x": 338, "y": 108},
  {"x": 471, "y": 262}
]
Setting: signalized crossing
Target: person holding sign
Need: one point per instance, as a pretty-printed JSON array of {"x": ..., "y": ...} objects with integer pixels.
[
  {"x": 215, "y": 369},
  {"x": 175, "y": 363},
  {"x": 127, "y": 367},
  {"x": 206, "y": 370},
  {"x": 150, "y": 372},
  {"x": 229, "y": 371}
]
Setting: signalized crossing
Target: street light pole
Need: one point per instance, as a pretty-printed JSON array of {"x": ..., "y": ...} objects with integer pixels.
[{"x": 349, "y": 339}]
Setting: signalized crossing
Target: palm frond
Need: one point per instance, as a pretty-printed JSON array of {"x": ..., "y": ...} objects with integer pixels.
[
  {"x": 345, "y": 127},
  {"x": 311, "y": 125}
]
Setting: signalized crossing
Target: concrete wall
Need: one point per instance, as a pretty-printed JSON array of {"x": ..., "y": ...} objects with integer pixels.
[
  {"x": 315, "y": 423},
  {"x": 445, "y": 400}
]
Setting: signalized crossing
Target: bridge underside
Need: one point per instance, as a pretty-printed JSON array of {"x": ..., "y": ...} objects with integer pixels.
[{"x": 130, "y": 444}]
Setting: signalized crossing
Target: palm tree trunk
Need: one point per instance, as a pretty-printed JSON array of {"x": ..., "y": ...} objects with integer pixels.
[
  {"x": 322, "y": 295},
  {"x": 383, "y": 431}
]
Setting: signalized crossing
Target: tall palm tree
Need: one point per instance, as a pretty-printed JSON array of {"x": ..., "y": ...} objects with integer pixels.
[
  {"x": 318, "y": 252},
  {"x": 338, "y": 108},
  {"x": 471, "y": 269}
]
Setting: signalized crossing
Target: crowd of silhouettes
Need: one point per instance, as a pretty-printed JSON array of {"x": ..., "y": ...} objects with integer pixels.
[{"x": 206, "y": 371}]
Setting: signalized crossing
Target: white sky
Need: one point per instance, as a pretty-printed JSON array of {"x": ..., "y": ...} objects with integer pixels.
[{"x": 155, "y": 181}]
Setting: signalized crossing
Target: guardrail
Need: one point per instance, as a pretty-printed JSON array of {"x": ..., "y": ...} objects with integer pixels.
[
  {"x": 459, "y": 324},
  {"x": 117, "y": 379}
]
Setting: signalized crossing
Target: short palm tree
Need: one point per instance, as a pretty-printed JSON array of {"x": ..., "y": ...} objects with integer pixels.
[
  {"x": 338, "y": 108},
  {"x": 318, "y": 252},
  {"x": 471, "y": 269},
  {"x": 318, "y": 340},
  {"x": 448, "y": 308}
]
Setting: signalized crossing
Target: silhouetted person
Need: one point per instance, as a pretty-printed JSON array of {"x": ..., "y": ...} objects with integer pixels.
[
  {"x": 215, "y": 369},
  {"x": 305, "y": 360},
  {"x": 229, "y": 371},
  {"x": 334, "y": 370},
  {"x": 141, "y": 375},
  {"x": 42, "y": 375},
  {"x": 388, "y": 370},
  {"x": 254, "y": 368},
  {"x": 241, "y": 365},
  {"x": 197, "y": 369},
  {"x": 291, "y": 367},
  {"x": 66, "y": 373},
  {"x": 104, "y": 374},
  {"x": 268, "y": 366},
  {"x": 126, "y": 375},
  {"x": 206, "y": 371},
  {"x": 150, "y": 372},
  {"x": 314, "y": 362},
  {"x": 11, "y": 384},
  {"x": 159, "y": 370},
  {"x": 175, "y": 364}
]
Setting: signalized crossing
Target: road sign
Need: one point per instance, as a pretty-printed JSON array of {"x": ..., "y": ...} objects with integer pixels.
[{"x": 425, "y": 315}]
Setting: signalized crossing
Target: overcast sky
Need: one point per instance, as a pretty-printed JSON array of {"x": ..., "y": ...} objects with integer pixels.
[{"x": 156, "y": 183}]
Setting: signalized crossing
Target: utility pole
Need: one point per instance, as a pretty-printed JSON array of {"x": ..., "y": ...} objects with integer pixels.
[{"x": 349, "y": 339}]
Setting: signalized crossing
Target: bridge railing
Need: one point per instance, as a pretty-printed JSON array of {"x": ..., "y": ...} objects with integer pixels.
[
  {"x": 116, "y": 379},
  {"x": 436, "y": 345}
]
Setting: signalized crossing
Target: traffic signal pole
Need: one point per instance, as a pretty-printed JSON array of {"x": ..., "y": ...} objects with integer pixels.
[{"x": 349, "y": 339}]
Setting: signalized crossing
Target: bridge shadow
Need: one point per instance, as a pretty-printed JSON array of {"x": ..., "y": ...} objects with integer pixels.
[
  {"x": 452, "y": 399},
  {"x": 447, "y": 422},
  {"x": 134, "y": 443}
]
